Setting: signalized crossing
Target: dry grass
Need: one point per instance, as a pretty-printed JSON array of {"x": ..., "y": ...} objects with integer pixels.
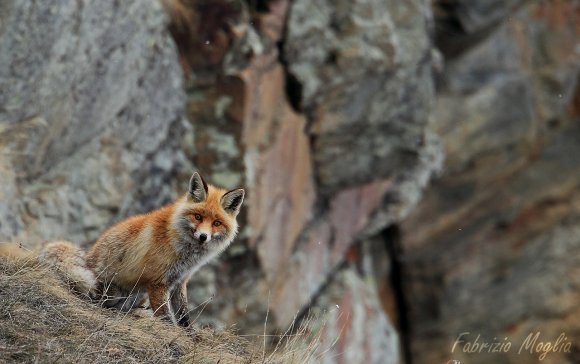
[{"x": 42, "y": 321}]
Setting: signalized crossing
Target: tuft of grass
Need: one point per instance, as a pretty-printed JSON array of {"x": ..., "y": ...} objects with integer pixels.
[{"x": 41, "y": 320}]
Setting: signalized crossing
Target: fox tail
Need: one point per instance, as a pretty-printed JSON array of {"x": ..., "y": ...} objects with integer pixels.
[
  {"x": 64, "y": 257},
  {"x": 69, "y": 261}
]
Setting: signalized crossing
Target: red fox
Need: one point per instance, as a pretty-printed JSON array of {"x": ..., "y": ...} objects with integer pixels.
[{"x": 154, "y": 253}]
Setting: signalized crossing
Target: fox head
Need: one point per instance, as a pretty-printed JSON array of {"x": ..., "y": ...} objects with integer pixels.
[{"x": 207, "y": 215}]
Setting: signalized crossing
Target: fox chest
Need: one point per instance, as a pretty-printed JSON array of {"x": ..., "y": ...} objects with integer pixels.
[{"x": 188, "y": 261}]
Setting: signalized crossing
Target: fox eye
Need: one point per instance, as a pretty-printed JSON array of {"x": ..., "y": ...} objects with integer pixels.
[
  {"x": 217, "y": 223},
  {"x": 197, "y": 217}
]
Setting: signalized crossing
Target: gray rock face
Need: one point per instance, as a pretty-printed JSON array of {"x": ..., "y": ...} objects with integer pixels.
[
  {"x": 90, "y": 115},
  {"x": 365, "y": 72},
  {"x": 491, "y": 248},
  {"x": 462, "y": 23}
]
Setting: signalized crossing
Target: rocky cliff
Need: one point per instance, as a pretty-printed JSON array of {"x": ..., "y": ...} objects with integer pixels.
[
  {"x": 493, "y": 247},
  {"x": 335, "y": 115}
]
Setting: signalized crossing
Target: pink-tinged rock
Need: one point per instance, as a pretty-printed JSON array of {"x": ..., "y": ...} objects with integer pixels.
[
  {"x": 350, "y": 211},
  {"x": 355, "y": 329},
  {"x": 263, "y": 101},
  {"x": 282, "y": 197},
  {"x": 308, "y": 268},
  {"x": 280, "y": 182}
]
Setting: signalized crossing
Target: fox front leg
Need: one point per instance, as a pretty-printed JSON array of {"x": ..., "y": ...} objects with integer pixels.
[
  {"x": 179, "y": 304},
  {"x": 158, "y": 299}
]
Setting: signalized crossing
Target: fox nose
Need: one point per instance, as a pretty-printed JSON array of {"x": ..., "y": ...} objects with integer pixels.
[{"x": 202, "y": 237}]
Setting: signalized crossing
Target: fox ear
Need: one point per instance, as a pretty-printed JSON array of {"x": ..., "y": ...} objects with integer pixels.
[
  {"x": 232, "y": 201},
  {"x": 197, "y": 188}
]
